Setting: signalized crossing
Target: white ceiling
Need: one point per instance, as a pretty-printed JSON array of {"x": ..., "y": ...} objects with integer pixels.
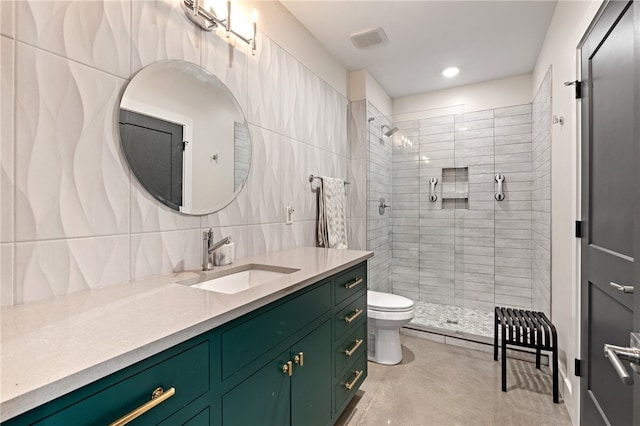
[{"x": 487, "y": 40}]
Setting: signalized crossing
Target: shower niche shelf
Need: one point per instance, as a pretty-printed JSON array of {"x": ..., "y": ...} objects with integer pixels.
[
  {"x": 455, "y": 188},
  {"x": 454, "y": 195}
]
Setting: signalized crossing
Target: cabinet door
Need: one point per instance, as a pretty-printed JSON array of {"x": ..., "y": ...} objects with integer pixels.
[
  {"x": 263, "y": 399},
  {"x": 311, "y": 382}
]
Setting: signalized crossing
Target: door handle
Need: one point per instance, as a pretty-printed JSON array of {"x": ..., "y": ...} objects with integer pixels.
[
  {"x": 627, "y": 289},
  {"x": 615, "y": 353}
]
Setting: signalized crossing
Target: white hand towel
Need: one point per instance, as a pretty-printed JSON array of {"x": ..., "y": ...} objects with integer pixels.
[{"x": 332, "y": 222}]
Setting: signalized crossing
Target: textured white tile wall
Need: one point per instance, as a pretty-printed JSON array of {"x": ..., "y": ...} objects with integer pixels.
[
  {"x": 7, "y": 54},
  {"x": 72, "y": 215},
  {"x": 7, "y": 22},
  {"x": 357, "y": 128},
  {"x": 69, "y": 176},
  {"x": 94, "y": 33}
]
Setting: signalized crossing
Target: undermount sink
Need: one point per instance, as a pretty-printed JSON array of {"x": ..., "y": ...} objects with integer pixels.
[{"x": 237, "y": 279}]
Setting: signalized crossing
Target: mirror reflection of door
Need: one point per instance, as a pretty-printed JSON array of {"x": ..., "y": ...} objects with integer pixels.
[{"x": 154, "y": 148}]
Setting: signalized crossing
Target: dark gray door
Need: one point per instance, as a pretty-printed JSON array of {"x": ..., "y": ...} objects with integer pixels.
[
  {"x": 610, "y": 181},
  {"x": 154, "y": 150}
]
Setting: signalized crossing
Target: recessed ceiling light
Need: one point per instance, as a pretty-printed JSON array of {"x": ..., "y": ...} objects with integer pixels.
[{"x": 451, "y": 72}]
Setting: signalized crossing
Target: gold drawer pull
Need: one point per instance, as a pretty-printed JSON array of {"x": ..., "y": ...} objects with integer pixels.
[
  {"x": 349, "y": 352},
  {"x": 288, "y": 368},
  {"x": 354, "y": 283},
  {"x": 355, "y": 380},
  {"x": 157, "y": 397},
  {"x": 353, "y": 316}
]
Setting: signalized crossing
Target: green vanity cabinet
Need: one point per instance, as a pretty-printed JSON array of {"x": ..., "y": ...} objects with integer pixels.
[
  {"x": 257, "y": 333},
  {"x": 292, "y": 388},
  {"x": 296, "y": 361},
  {"x": 183, "y": 373},
  {"x": 349, "y": 335},
  {"x": 311, "y": 381},
  {"x": 263, "y": 398},
  {"x": 323, "y": 328}
]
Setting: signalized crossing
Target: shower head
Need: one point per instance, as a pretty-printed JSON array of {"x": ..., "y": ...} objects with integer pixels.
[{"x": 389, "y": 131}]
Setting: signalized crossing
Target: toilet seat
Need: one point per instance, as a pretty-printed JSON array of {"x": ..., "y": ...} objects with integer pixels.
[
  {"x": 391, "y": 316},
  {"x": 385, "y": 302}
]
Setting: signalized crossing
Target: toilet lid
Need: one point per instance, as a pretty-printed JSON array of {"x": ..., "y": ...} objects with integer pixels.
[{"x": 388, "y": 302}]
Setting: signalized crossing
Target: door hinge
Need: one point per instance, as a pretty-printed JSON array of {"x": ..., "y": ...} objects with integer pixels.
[
  {"x": 578, "y": 85},
  {"x": 578, "y": 229},
  {"x": 578, "y": 370}
]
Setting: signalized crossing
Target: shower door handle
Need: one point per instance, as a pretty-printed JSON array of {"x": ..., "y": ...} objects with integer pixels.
[
  {"x": 433, "y": 196},
  {"x": 499, "y": 193}
]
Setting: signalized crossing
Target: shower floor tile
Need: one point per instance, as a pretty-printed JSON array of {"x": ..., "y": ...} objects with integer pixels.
[{"x": 453, "y": 318}]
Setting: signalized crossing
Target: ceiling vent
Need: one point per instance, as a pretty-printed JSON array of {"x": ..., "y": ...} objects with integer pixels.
[{"x": 368, "y": 38}]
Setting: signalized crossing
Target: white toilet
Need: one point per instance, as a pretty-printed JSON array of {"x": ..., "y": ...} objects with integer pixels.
[{"x": 386, "y": 314}]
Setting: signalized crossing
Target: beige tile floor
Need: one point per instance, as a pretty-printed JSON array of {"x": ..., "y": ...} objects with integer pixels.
[{"x": 438, "y": 384}]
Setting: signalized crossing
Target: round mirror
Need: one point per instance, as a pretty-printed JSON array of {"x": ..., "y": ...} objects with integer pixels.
[{"x": 185, "y": 137}]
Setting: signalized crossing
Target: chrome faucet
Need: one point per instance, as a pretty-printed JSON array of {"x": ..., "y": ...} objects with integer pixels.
[{"x": 208, "y": 247}]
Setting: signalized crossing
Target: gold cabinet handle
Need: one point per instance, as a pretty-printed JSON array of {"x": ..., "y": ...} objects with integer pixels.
[
  {"x": 349, "y": 352},
  {"x": 157, "y": 397},
  {"x": 299, "y": 359},
  {"x": 354, "y": 283},
  {"x": 288, "y": 368},
  {"x": 352, "y": 383},
  {"x": 356, "y": 313}
]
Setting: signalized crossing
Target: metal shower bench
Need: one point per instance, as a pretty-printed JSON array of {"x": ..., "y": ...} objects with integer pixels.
[{"x": 528, "y": 329}]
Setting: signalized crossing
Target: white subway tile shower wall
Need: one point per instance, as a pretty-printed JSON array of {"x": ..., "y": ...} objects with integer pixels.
[
  {"x": 541, "y": 218},
  {"x": 379, "y": 183},
  {"x": 72, "y": 216},
  {"x": 480, "y": 253}
]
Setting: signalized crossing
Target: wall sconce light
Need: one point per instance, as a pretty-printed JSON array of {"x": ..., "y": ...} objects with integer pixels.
[{"x": 203, "y": 16}]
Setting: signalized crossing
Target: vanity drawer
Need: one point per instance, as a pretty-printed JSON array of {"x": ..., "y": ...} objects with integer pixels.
[
  {"x": 350, "y": 349},
  {"x": 187, "y": 373},
  {"x": 248, "y": 340},
  {"x": 350, "y": 317},
  {"x": 350, "y": 382},
  {"x": 349, "y": 283}
]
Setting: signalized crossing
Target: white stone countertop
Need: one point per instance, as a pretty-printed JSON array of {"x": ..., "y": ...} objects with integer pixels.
[{"x": 52, "y": 347}]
